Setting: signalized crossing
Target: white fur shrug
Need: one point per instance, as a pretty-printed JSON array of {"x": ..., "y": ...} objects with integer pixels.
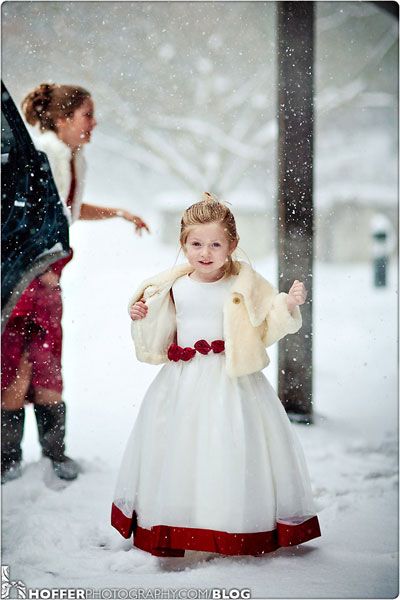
[
  {"x": 59, "y": 155},
  {"x": 254, "y": 316}
]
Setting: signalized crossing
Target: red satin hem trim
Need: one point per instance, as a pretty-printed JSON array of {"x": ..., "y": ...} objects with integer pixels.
[{"x": 165, "y": 540}]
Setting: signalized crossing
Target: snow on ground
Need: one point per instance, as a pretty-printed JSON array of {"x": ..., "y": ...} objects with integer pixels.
[{"x": 58, "y": 534}]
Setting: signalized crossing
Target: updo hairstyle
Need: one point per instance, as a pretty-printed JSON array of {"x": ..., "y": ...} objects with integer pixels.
[{"x": 49, "y": 102}]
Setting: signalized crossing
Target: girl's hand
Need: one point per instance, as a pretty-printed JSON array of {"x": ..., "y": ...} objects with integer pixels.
[
  {"x": 138, "y": 310},
  {"x": 137, "y": 221},
  {"x": 297, "y": 294}
]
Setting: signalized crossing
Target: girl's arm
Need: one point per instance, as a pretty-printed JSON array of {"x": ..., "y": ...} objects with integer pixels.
[
  {"x": 139, "y": 309},
  {"x": 90, "y": 212},
  {"x": 284, "y": 316}
]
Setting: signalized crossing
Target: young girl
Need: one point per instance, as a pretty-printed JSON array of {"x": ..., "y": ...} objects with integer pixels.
[
  {"x": 32, "y": 340},
  {"x": 212, "y": 464}
]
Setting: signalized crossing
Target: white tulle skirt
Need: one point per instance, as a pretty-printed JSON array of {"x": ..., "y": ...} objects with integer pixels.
[{"x": 213, "y": 464}]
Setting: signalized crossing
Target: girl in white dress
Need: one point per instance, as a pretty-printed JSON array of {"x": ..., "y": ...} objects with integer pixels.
[{"x": 212, "y": 463}]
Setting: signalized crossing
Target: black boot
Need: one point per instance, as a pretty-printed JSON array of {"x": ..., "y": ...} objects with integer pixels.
[
  {"x": 51, "y": 427},
  {"x": 12, "y": 430}
]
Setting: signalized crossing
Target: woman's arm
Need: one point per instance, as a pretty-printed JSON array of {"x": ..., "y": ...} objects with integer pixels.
[{"x": 90, "y": 212}]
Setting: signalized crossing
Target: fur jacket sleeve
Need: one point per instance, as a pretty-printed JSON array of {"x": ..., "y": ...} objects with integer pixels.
[{"x": 255, "y": 316}]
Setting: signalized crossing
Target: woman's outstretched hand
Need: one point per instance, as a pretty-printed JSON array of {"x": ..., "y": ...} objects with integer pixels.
[
  {"x": 138, "y": 310},
  {"x": 297, "y": 294},
  {"x": 137, "y": 221}
]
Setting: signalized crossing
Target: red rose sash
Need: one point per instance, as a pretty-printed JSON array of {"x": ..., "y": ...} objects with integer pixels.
[{"x": 176, "y": 352}]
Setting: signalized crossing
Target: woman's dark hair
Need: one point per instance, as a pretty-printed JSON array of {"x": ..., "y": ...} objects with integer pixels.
[{"x": 49, "y": 102}]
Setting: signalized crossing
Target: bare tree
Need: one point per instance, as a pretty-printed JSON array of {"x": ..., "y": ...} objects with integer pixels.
[{"x": 189, "y": 87}]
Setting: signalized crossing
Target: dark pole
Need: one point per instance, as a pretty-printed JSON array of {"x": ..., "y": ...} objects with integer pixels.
[{"x": 295, "y": 196}]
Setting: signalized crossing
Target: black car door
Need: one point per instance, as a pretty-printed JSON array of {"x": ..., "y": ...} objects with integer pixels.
[{"x": 34, "y": 227}]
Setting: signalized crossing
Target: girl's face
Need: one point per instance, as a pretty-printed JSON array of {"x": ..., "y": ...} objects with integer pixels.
[
  {"x": 207, "y": 248},
  {"x": 76, "y": 130}
]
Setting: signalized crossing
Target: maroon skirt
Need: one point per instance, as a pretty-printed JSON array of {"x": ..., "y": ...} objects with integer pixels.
[{"x": 34, "y": 328}]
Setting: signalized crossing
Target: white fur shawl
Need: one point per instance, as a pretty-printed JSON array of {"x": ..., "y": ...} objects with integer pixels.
[
  {"x": 255, "y": 316},
  {"x": 59, "y": 155}
]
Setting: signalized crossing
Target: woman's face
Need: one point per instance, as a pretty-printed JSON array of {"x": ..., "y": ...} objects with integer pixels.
[{"x": 76, "y": 130}]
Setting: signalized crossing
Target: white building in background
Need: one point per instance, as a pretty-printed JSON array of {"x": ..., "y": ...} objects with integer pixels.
[
  {"x": 343, "y": 232},
  {"x": 342, "y": 227},
  {"x": 254, "y": 220}
]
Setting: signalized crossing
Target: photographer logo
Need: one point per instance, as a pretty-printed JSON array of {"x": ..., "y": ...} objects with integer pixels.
[{"x": 7, "y": 585}]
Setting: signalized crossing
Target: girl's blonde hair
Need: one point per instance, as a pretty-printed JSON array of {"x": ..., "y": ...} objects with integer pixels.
[
  {"x": 49, "y": 102},
  {"x": 210, "y": 210}
]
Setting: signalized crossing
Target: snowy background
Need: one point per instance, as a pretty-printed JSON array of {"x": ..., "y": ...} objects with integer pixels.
[
  {"x": 188, "y": 90},
  {"x": 61, "y": 536},
  {"x": 200, "y": 84}
]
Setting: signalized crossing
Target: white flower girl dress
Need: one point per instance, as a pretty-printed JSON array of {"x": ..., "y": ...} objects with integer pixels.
[{"x": 212, "y": 463}]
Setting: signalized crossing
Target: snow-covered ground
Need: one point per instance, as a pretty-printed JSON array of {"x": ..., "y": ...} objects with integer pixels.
[{"x": 57, "y": 535}]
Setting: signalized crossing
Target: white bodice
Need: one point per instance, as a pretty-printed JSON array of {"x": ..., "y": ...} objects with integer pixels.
[{"x": 199, "y": 308}]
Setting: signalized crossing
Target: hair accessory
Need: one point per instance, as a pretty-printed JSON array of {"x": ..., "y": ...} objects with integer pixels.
[{"x": 207, "y": 197}]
